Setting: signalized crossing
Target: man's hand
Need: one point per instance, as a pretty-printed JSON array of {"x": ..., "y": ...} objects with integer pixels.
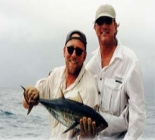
[
  {"x": 88, "y": 128},
  {"x": 31, "y": 95}
]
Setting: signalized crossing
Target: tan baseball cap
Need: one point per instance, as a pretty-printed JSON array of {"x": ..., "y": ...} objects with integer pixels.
[{"x": 105, "y": 10}]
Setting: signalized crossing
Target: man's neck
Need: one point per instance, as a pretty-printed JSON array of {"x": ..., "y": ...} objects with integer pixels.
[
  {"x": 70, "y": 79},
  {"x": 106, "y": 54},
  {"x": 107, "y": 51}
]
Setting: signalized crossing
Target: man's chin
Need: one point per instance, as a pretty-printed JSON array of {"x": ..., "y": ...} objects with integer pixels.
[{"x": 74, "y": 71}]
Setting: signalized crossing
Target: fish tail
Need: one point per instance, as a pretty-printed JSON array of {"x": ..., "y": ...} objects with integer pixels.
[{"x": 30, "y": 108}]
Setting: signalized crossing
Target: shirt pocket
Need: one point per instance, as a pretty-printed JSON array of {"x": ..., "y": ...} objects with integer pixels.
[
  {"x": 113, "y": 84},
  {"x": 112, "y": 96}
]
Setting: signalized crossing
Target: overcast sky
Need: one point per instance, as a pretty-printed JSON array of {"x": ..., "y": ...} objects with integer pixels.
[{"x": 33, "y": 32}]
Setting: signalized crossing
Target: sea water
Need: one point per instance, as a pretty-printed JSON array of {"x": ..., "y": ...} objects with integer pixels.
[{"x": 14, "y": 121}]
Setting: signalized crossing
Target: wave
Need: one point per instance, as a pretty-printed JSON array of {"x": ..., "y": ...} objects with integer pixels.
[{"x": 6, "y": 113}]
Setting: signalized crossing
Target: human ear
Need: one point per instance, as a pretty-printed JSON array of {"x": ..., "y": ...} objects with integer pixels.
[
  {"x": 85, "y": 55},
  {"x": 64, "y": 49}
]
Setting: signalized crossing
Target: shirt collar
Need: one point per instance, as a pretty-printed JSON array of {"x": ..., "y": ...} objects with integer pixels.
[
  {"x": 117, "y": 52},
  {"x": 80, "y": 75}
]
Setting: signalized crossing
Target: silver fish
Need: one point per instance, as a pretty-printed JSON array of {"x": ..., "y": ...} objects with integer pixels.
[{"x": 69, "y": 112}]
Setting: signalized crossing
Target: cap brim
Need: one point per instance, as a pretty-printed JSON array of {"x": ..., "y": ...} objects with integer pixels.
[{"x": 104, "y": 15}]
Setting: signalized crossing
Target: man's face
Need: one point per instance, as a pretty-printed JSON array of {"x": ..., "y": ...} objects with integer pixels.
[
  {"x": 75, "y": 54},
  {"x": 105, "y": 28}
]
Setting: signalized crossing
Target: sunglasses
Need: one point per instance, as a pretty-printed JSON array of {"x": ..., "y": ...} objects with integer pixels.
[
  {"x": 71, "y": 49},
  {"x": 106, "y": 20}
]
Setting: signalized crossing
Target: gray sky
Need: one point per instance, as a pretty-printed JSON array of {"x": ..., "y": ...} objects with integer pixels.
[{"x": 33, "y": 32}]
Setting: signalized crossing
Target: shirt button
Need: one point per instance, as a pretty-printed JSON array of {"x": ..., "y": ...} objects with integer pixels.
[
  {"x": 100, "y": 78},
  {"x": 99, "y": 92}
]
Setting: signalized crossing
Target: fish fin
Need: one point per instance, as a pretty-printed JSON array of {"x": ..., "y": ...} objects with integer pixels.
[
  {"x": 30, "y": 108},
  {"x": 55, "y": 123},
  {"x": 78, "y": 98},
  {"x": 76, "y": 132},
  {"x": 61, "y": 93},
  {"x": 23, "y": 87},
  {"x": 25, "y": 95},
  {"x": 71, "y": 127},
  {"x": 30, "y": 105}
]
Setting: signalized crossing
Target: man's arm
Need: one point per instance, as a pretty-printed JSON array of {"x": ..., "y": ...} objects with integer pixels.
[{"x": 136, "y": 100}]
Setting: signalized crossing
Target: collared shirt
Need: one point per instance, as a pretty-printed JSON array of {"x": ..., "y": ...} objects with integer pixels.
[
  {"x": 120, "y": 86},
  {"x": 49, "y": 88}
]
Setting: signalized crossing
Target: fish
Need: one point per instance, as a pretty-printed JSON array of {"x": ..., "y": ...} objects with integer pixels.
[{"x": 69, "y": 112}]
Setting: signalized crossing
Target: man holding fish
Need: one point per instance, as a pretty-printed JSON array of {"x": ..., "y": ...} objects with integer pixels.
[{"x": 73, "y": 80}]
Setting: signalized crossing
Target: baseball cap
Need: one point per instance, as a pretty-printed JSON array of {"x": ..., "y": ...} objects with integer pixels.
[
  {"x": 105, "y": 10},
  {"x": 81, "y": 37}
]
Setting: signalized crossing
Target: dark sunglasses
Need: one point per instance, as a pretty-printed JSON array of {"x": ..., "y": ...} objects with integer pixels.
[
  {"x": 71, "y": 49},
  {"x": 106, "y": 20}
]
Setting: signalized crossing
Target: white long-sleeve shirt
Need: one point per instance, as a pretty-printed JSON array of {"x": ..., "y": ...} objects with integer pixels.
[
  {"x": 120, "y": 86},
  {"x": 49, "y": 88}
]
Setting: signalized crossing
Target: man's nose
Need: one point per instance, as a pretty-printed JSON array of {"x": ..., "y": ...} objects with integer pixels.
[{"x": 74, "y": 53}]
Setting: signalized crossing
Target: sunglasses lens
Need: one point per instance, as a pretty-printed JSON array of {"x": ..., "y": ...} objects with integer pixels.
[
  {"x": 70, "y": 50},
  {"x": 99, "y": 21},
  {"x": 77, "y": 50},
  {"x": 102, "y": 20},
  {"x": 108, "y": 21}
]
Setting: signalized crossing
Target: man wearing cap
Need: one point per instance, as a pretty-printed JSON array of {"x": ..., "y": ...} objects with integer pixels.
[
  {"x": 118, "y": 76},
  {"x": 72, "y": 79}
]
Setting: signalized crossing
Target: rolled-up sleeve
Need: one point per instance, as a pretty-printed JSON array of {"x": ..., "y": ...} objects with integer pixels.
[{"x": 42, "y": 86}]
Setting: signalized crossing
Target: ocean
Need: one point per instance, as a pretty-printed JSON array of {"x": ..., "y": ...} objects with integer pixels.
[
  {"x": 14, "y": 121},
  {"x": 16, "y": 124}
]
